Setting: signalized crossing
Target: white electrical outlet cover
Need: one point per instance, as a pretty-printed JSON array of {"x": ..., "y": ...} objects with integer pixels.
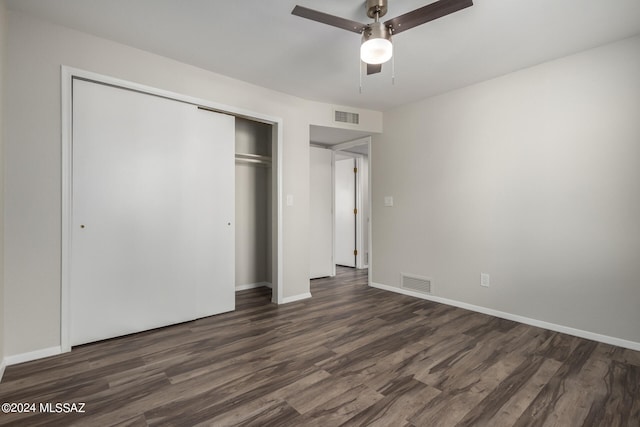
[{"x": 485, "y": 280}]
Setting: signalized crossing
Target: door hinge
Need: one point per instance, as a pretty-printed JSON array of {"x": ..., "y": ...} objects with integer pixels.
[
  {"x": 355, "y": 170},
  {"x": 355, "y": 252},
  {"x": 355, "y": 211}
]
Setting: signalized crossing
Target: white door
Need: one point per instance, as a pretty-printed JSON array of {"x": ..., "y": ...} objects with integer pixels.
[
  {"x": 345, "y": 221},
  {"x": 321, "y": 206},
  {"x": 153, "y": 205}
]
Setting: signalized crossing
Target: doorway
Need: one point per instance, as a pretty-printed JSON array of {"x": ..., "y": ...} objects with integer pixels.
[
  {"x": 328, "y": 236},
  {"x": 346, "y": 210},
  {"x": 352, "y": 203}
]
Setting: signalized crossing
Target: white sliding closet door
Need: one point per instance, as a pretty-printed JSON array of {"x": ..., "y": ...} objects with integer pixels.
[{"x": 153, "y": 210}]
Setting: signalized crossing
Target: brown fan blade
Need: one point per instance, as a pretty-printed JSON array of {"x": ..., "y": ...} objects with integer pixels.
[
  {"x": 425, "y": 14},
  {"x": 325, "y": 18},
  {"x": 373, "y": 68}
]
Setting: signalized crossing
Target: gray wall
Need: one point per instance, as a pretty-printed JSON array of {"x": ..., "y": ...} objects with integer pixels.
[
  {"x": 534, "y": 178},
  {"x": 321, "y": 213},
  {"x": 3, "y": 38},
  {"x": 253, "y": 205}
]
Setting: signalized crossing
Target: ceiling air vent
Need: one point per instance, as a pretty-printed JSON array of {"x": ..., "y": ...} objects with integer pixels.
[
  {"x": 346, "y": 117},
  {"x": 415, "y": 283}
]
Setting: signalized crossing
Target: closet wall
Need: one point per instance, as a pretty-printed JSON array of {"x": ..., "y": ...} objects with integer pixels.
[{"x": 253, "y": 204}]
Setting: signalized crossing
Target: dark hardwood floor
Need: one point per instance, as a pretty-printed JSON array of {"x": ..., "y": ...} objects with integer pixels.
[{"x": 351, "y": 355}]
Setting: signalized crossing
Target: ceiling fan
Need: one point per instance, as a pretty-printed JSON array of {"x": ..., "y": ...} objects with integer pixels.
[{"x": 376, "y": 47}]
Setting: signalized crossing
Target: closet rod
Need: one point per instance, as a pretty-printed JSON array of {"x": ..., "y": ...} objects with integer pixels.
[
  {"x": 256, "y": 161},
  {"x": 253, "y": 158}
]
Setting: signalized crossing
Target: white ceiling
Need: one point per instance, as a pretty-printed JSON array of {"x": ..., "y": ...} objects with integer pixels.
[{"x": 259, "y": 41}]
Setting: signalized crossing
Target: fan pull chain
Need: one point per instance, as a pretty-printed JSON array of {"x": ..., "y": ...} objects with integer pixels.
[
  {"x": 360, "y": 73},
  {"x": 393, "y": 69}
]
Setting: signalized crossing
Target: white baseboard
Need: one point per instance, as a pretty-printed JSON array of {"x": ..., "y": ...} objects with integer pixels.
[
  {"x": 2, "y": 366},
  {"x": 632, "y": 345},
  {"x": 296, "y": 298},
  {"x": 32, "y": 355},
  {"x": 252, "y": 286}
]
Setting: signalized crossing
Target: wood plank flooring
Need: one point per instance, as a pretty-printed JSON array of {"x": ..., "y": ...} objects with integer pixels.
[{"x": 351, "y": 355}]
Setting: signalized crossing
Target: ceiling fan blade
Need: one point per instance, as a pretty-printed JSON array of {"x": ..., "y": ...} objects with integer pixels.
[
  {"x": 373, "y": 68},
  {"x": 425, "y": 14},
  {"x": 325, "y": 18}
]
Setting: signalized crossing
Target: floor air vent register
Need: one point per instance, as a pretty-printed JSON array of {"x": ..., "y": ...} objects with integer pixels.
[{"x": 415, "y": 283}]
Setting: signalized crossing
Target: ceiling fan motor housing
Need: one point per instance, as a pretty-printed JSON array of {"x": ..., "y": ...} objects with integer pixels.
[
  {"x": 376, "y": 8},
  {"x": 376, "y": 30},
  {"x": 376, "y": 47}
]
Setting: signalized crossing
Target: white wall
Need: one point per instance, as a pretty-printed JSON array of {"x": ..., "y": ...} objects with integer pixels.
[
  {"x": 321, "y": 213},
  {"x": 253, "y": 194},
  {"x": 534, "y": 178},
  {"x": 320, "y": 115},
  {"x": 3, "y": 38},
  {"x": 36, "y": 50}
]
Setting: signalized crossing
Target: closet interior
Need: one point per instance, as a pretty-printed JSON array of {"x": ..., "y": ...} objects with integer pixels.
[{"x": 253, "y": 213}]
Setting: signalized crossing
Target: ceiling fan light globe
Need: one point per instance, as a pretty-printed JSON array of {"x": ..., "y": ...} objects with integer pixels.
[{"x": 376, "y": 51}]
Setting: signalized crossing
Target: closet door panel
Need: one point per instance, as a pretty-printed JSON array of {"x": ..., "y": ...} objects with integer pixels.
[
  {"x": 214, "y": 208},
  {"x": 148, "y": 226}
]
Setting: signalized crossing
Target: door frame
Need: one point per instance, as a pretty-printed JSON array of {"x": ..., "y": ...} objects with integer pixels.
[
  {"x": 345, "y": 179},
  {"x": 67, "y": 75}
]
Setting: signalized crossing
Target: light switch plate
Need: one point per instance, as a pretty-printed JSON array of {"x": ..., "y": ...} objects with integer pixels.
[
  {"x": 388, "y": 200},
  {"x": 289, "y": 199}
]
